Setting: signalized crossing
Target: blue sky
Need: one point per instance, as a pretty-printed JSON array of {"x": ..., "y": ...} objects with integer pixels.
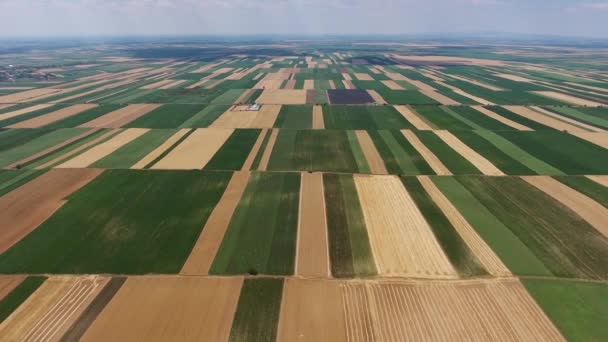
[{"x": 137, "y": 17}]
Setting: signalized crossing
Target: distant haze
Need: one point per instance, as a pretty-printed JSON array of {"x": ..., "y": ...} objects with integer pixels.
[{"x": 177, "y": 17}]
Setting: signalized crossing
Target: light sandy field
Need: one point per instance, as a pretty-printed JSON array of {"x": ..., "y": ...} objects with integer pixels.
[
  {"x": 268, "y": 150},
  {"x": 442, "y": 99},
  {"x": 29, "y": 95},
  {"x": 514, "y": 78},
  {"x": 401, "y": 240},
  {"x": 377, "y": 97},
  {"x": 165, "y": 308},
  {"x": 290, "y": 84},
  {"x": 568, "y": 119},
  {"x": 160, "y": 149},
  {"x": 121, "y": 117},
  {"x": 392, "y": 85},
  {"x": 204, "y": 68},
  {"x": 51, "y": 117},
  {"x": 6, "y": 105},
  {"x": 96, "y": 90},
  {"x": 486, "y": 256},
  {"x": 243, "y": 96},
  {"x": 414, "y": 118},
  {"x": 51, "y": 309},
  {"x": 120, "y": 59},
  {"x": 198, "y": 83},
  {"x": 432, "y": 75},
  {"x": 501, "y": 118},
  {"x": 484, "y": 165},
  {"x": 426, "y": 154},
  {"x": 361, "y": 76},
  {"x": 52, "y": 148},
  {"x": 332, "y": 85},
  {"x": 317, "y": 117},
  {"x": 79, "y": 149},
  {"x": 600, "y": 139},
  {"x": 475, "y": 82},
  {"x": 254, "y": 150},
  {"x": 196, "y": 151},
  {"x": 569, "y": 98},
  {"x": 25, "y": 208},
  {"x": 465, "y": 94},
  {"x": 24, "y": 111},
  {"x": 478, "y": 310},
  {"x": 157, "y": 85},
  {"x": 311, "y": 310},
  {"x": 309, "y": 84},
  {"x": 175, "y": 83},
  {"x": 213, "y": 84},
  {"x": 348, "y": 84},
  {"x": 282, "y": 96},
  {"x": 447, "y": 60},
  {"x": 588, "y": 209},
  {"x": 546, "y": 120},
  {"x": 269, "y": 84},
  {"x": 372, "y": 156},
  {"x": 312, "y": 252},
  {"x": 8, "y": 284},
  {"x": 346, "y": 76},
  {"x": 602, "y": 180},
  {"x": 603, "y": 90},
  {"x": 15, "y": 88},
  {"x": 206, "y": 247},
  {"x": 104, "y": 149},
  {"x": 236, "y": 118}
]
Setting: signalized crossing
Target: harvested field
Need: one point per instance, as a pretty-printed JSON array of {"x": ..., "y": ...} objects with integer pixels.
[
  {"x": 501, "y": 118},
  {"x": 311, "y": 310},
  {"x": 282, "y": 96},
  {"x": 602, "y": 180},
  {"x": 164, "y": 308},
  {"x": 598, "y": 138},
  {"x": 348, "y": 84},
  {"x": 203, "y": 144},
  {"x": 361, "y": 76},
  {"x": 484, "y": 165},
  {"x": 236, "y": 118},
  {"x": 25, "y": 208},
  {"x": 8, "y": 284},
  {"x": 549, "y": 121},
  {"x": 52, "y": 309},
  {"x": 263, "y": 165},
  {"x": 412, "y": 117},
  {"x": 392, "y": 85},
  {"x": 309, "y": 84},
  {"x": 569, "y": 98},
  {"x": 29, "y": 95},
  {"x": 206, "y": 247},
  {"x": 478, "y": 246},
  {"x": 401, "y": 240},
  {"x": 377, "y": 97},
  {"x": 427, "y": 154},
  {"x": 255, "y": 150},
  {"x": 312, "y": 256},
  {"x": 560, "y": 117},
  {"x": 104, "y": 149},
  {"x": 121, "y": 117},
  {"x": 317, "y": 118},
  {"x": 60, "y": 114},
  {"x": 442, "y": 99},
  {"x": 514, "y": 78},
  {"x": 446, "y": 60},
  {"x": 25, "y": 110},
  {"x": 157, "y": 152},
  {"x": 590, "y": 210},
  {"x": 373, "y": 158},
  {"x": 479, "y": 310}
]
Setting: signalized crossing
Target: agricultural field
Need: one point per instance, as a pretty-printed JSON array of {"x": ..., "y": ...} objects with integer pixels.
[{"x": 305, "y": 191}]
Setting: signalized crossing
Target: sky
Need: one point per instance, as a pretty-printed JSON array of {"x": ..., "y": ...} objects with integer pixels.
[{"x": 43, "y": 18}]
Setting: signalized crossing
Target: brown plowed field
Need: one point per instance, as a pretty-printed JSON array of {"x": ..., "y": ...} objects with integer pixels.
[
  {"x": 206, "y": 247},
  {"x": 237, "y": 118},
  {"x": 25, "y": 208},
  {"x": 392, "y": 85},
  {"x": 377, "y": 97},
  {"x": 8, "y": 284},
  {"x": 312, "y": 256},
  {"x": 603, "y": 180},
  {"x": 163, "y": 308},
  {"x": 52, "y": 309},
  {"x": 311, "y": 310},
  {"x": 486, "y": 310},
  {"x": 401, "y": 240},
  {"x": 120, "y": 117}
]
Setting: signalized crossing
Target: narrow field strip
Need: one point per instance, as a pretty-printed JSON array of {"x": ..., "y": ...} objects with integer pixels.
[
  {"x": 120, "y": 117},
  {"x": 157, "y": 152},
  {"x": 255, "y": 150},
  {"x": 569, "y": 98},
  {"x": 51, "y": 117},
  {"x": 25, "y": 110},
  {"x": 263, "y": 165},
  {"x": 427, "y": 154},
  {"x": 501, "y": 118},
  {"x": 201, "y": 257},
  {"x": 568, "y": 120},
  {"x": 442, "y": 99},
  {"x": 8, "y": 284},
  {"x": 372, "y": 156},
  {"x": 104, "y": 149},
  {"x": 312, "y": 252},
  {"x": 544, "y": 119},
  {"x": 203, "y": 144},
  {"x": 591, "y": 211},
  {"x": 413, "y": 118},
  {"x": 490, "y": 261},
  {"x": 481, "y": 163},
  {"x": 317, "y": 117},
  {"x": 602, "y": 180},
  {"x": 401, "y": 240}
]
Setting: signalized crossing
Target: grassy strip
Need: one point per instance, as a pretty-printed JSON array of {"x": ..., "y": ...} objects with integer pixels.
[
  {"x": 19, "y": 294},
  {"x": 358, "y": 152},
  {"x": 440, "y": 118},
  {"x": 364, "y": 117},
  {"x": 600, "y": 122},
  {"x": 234, "y": 152},
  {"x": 81, "y": 118},
  {"x": 171, "y": 148},
  {"x": 349, "y": 247},
  {"x": 566, "y": 244},
  {"x": 10, "y": 138},
  {"x": 30, "y": 115},
  {"x": 587, "y": 187},
  {"x": 511, "y": 250},
  {"x": 518, "y": 118},
  {"x": 294, "y": 117},
  {"x": 460, "y": 255},
  {"x": 476, "y": 118},
  {"x": 97, "y": 231},
  {"x": 205, "y": 117},
  {"x": 261, "y": 237},
  {"x": 257, "y": 313},
  {"x": 166, "y": 116},
  {"x": 11, "y": 180},
  {"x": 129, "y": 154},
  {"x": 578, "y": 309},
  {"x": 258, "y": 157}
]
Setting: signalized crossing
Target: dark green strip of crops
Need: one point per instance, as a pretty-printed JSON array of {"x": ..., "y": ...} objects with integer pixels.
[
  {"x": 130, "y": 153},
  {"x": 349, "y": 248},
  {"x": 30, "y": 115},
  {"x": 294, "y": 117},
  {"x": 11, "y": 180},
  {"x": 167, "y": 151},
  {"x": 456, "y": 163},
  {"x": 479, "y": 118},
  {"x": 234, "y": 152},
  {"x": 19, "y": 294},
  {"x": 81, "y": 118},
  {"x": 258, "y": 157},
  {"x": 166, "y": 116},
  {"x": 440, "y": 118},
  {"x": 586, "y": 186},
  {"x": 257, "y": 313},
  {"x": 460, "y": 255},
  {"x": 518, "y": 118}
]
